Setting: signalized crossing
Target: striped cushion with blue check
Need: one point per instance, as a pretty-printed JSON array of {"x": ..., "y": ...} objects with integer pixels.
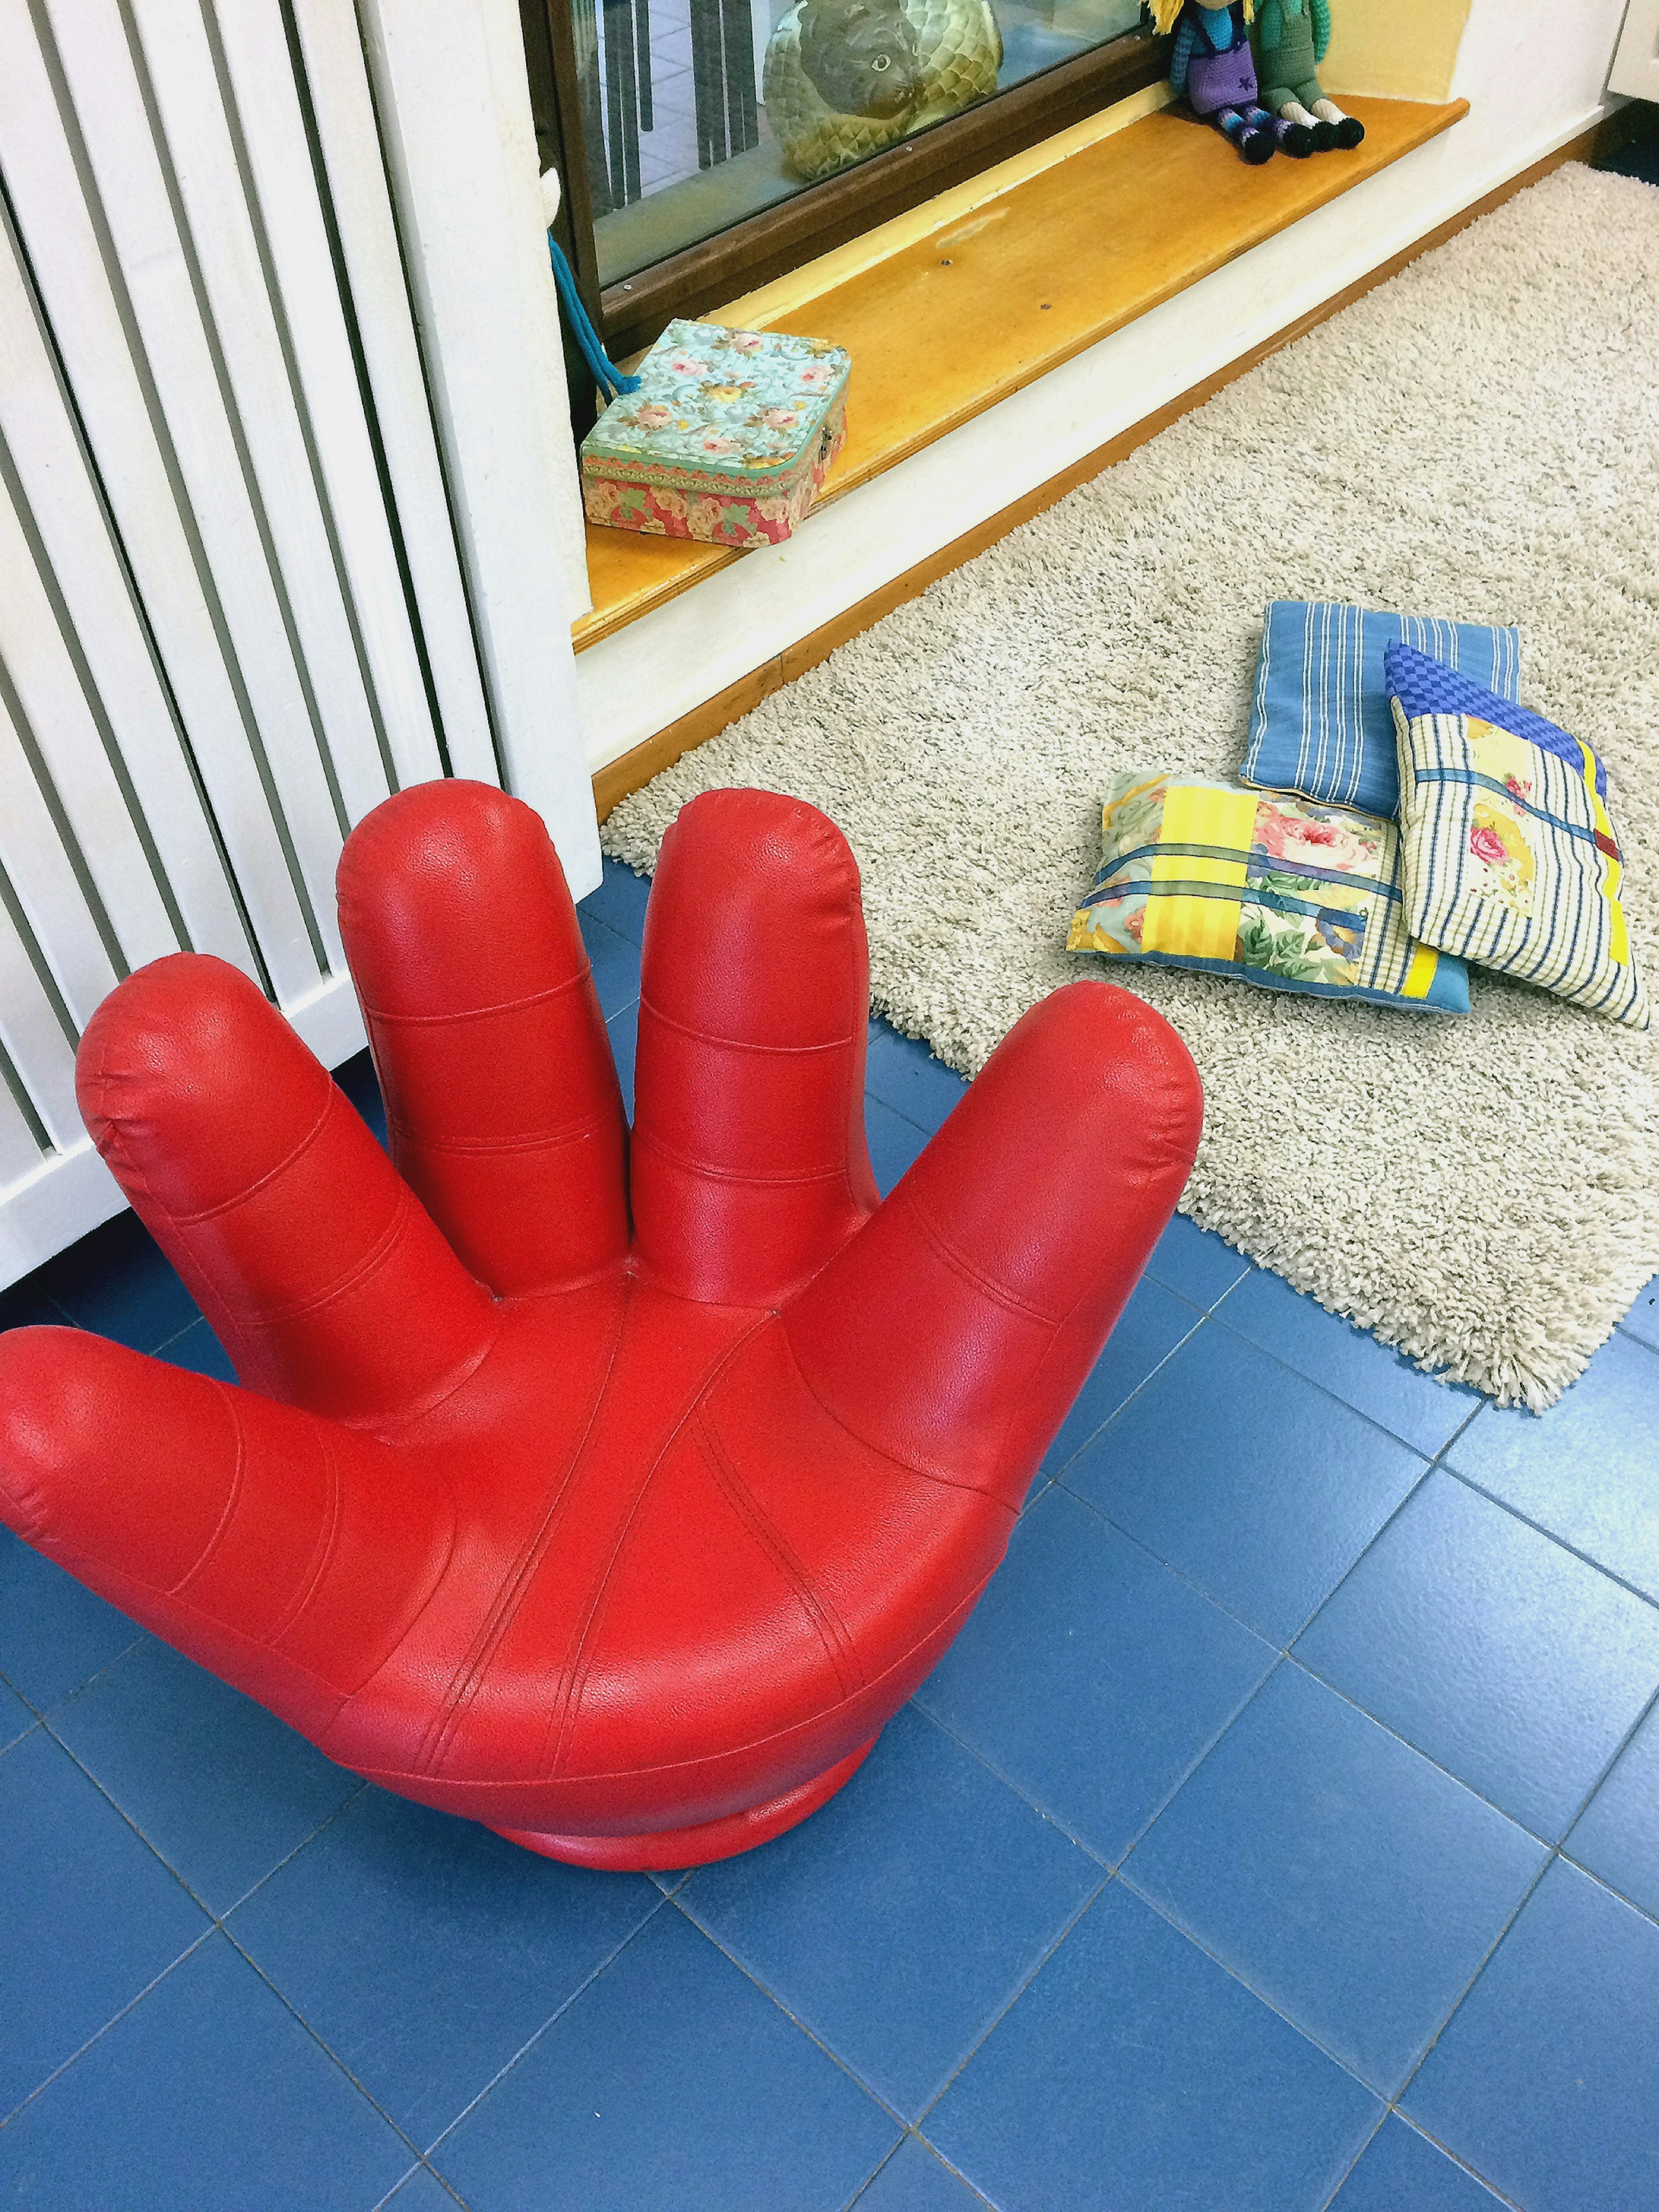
[
  {"x": 1508, "y": 857},
  {"x": 1320, "y": 720}
]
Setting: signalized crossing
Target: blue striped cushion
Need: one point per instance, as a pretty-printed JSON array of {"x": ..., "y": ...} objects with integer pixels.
[{"x": 1320, "y": 719}]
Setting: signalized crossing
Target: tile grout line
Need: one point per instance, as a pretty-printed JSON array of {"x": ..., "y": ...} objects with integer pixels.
[
  {"x": 772, "y": 1998},
  {"x": 195, "y": 1895},
  {"x": 1044, "y": 1812},
  {"x": 1056, "y": 1820},
  {"x": 1325, "y": 1390},
  {"x": 529, "y": 2044},
  {"x": 1552, "y": 1851},
  {"x": 43, "y": 1713},
  {"x": 1158, "y": 1367},
  {"x": 218, "y": 1928},
  {"x": 1267, "y": 1351},
  {"x": 1233, "y": 1974},
  {"x": 41, "y": 2087},
  {"x": 1347, "y": 2172},
  {"x": 1390, "y": 2112},
  {"x": 1486, "y": 1958},
  {"x": 327, "y": 2049},
  {"x": 1067, "y": 1930},
  {"x": 1554, "y": 1854},
  {"x": 1642, "y": 1911},
  {"x": 404, "y": 2180},
  {"x": 1456, "y": 2158},
  {"x": 1417, "y": 1750},
  {"x": 1180, "y": 1575},
  {"x": 1287, "y": 1652},
  {"x": 1435, "y": 1465},
  {"x": 913, "y": 2134},
  {"x": 215, "y": 1921},
  {"x": 288, "y": 1856},
  {"x": 381, "y": 2202},
  {"x": 162, "y": 1349},
  {"x": 1526, "y": 1520},
  {"x": 1429, "y": 1466}
]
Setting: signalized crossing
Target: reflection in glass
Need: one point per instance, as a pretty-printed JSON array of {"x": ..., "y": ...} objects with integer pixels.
[
  {"x": 699, "y": 112},
  {"x": 846, "y": 78}
]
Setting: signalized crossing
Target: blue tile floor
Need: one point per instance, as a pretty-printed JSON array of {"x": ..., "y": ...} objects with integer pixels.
[{"x": 1281, "y": 1833}]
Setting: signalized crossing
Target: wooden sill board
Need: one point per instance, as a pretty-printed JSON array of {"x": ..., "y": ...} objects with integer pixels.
[{"x": 950, "y": 325}]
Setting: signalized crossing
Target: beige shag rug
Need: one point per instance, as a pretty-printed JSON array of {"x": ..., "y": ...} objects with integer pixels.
[{"x": 1478, "y": 438}]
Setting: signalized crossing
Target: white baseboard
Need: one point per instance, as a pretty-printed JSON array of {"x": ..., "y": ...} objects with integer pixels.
[{"x": 661, "y": 666}]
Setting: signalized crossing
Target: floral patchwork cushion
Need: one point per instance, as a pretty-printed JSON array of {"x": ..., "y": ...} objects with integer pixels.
[
  {"x": 1508, "y": 857},
  {"x": 1197, "y": 873},
  {"x": 1320, "y": 722}
]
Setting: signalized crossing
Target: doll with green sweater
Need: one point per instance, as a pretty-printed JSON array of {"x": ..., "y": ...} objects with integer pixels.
[{"x": 1289, "y": 39}]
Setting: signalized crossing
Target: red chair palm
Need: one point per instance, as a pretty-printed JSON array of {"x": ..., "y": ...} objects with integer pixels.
[{"x": 612, "y": 1491}]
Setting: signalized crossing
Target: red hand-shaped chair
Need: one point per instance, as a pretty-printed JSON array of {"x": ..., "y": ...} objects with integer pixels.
[{"x": 612, "y": 1491}]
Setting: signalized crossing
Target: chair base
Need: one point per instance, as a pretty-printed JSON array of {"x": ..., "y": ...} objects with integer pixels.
[{"x": 673, "y": 1848}]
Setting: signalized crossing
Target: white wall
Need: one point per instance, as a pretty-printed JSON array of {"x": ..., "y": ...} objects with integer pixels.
[
  {"x": 1636, "y": 67},
  {"x": 1533, "y": 72}
]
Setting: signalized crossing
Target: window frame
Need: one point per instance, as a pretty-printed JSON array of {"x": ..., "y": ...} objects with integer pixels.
[{"x": 633, "y": 312}]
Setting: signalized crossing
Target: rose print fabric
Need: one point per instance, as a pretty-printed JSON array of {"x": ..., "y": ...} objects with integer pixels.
[
  {"x": 728, "y": 438},
  {"x": 1509, "y": 858},
  {"x": 1265, "y": 886}
]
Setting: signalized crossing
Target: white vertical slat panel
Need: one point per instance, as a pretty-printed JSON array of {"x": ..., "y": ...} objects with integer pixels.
[
  {"x": 69, "y": 1194},
  {"x": 267, "y": 103},
  {"x": 20, "y": 1151},
  {"x": 203, "y": 152},
  {"x": 85, "y": 299},
  {"x": 346, "y": 130},
  {"x": 286, "y": 500},
  {"x": 70, "y": 526},
  {"x": 35, "y": 1042},
  {"x": 452, "y": 97},
  {"x": 44, "y": 882},
  {"x": 181, "y": 348},
  {"x": 35, "y": 663}
]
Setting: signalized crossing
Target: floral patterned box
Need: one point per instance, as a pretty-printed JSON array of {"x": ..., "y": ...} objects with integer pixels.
[{"x": 728, "y": 438}]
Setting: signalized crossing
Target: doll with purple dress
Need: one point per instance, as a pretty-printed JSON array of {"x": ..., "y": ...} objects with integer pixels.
[{"x": 1211, "y": 62}]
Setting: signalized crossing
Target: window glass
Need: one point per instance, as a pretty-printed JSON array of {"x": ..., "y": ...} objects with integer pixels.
[{"x": 700, "y": 112}]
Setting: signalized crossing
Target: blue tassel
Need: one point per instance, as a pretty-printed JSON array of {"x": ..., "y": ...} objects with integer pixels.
[{"x": 609, "y": 378}]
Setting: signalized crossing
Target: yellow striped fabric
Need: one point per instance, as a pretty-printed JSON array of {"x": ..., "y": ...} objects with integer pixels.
[
  {"x": 1265, "y": 886},
  {"x": 1508, "y": 859}
]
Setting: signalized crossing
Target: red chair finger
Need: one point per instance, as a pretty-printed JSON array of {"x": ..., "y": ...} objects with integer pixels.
[
  {"x": 325, "y": 1279},
  {"x": 955, "y": 1330},
  {"x": 285, "y": 1553},
  {"x": 500, "y": 1091},
  {"x": 749, "y": 1161}
]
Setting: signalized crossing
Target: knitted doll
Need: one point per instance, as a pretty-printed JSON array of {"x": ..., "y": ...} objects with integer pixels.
[
  {"x": 1289, "y": 38},
  {"x": 1210, "y": 63}
]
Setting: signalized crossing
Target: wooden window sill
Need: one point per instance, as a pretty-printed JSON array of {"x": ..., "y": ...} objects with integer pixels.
[{"x": 970, "y": 313}]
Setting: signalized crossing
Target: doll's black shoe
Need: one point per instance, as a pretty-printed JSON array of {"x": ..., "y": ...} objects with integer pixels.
[
  {"x": 1324, "y": 137},
  {"x": 1256, "y": 147},
  {"x": 1349, "y": 132},
  {"x": 1296, "y": 140}
]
